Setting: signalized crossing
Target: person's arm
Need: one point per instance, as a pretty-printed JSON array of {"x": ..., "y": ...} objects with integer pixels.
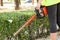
[{"x": 38, "y": 4}]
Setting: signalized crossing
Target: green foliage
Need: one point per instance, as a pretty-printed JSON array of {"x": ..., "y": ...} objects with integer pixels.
[{"x": 10, "y": 22}]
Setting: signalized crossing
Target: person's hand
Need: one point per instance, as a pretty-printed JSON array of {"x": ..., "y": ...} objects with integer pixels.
[{"x": 38, "y": 6}]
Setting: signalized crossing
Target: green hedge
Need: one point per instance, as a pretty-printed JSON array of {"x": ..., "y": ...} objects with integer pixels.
[{"x": 10, "y": 22}]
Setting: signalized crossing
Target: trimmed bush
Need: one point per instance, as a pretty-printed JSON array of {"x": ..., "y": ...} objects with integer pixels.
[{"x": 10, "y": 22}]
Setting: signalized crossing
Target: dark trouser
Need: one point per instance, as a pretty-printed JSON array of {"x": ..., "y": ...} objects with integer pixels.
[{"x": 54, "y": 16}]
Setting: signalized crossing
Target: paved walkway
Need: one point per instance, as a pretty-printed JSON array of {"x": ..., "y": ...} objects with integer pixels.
[
  {"x": 48, "y": 38},
  {"x": 11, "y": 6}
]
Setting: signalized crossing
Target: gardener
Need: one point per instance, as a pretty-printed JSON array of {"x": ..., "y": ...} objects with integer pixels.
[{"x": 53, "y": 9}]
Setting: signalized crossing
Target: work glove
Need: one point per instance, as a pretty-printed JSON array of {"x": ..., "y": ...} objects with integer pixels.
[{"x": 39, "y": 13}]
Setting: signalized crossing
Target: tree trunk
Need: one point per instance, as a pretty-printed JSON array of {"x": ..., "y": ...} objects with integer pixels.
[
  {"x": 37, "y": 0},
  {"x": 20, "y": 2},
  {"x": 8, "y": 0},
  {"x": 17, "y": 2},
  {"x": 32, "y": 2},
  {"x": 1, "y": 2}
]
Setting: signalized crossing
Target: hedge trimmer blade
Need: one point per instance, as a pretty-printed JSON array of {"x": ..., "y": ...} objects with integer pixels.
[{"x": 26, "y": 23}]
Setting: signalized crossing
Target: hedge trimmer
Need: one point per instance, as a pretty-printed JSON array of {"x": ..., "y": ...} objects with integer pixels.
[{"x": 38, "y": 14}]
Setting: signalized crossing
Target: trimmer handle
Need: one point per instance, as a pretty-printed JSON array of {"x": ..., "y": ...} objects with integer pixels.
[
  {"x": 42, "y": 12},
  {"x": 39, "y": 14}
]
